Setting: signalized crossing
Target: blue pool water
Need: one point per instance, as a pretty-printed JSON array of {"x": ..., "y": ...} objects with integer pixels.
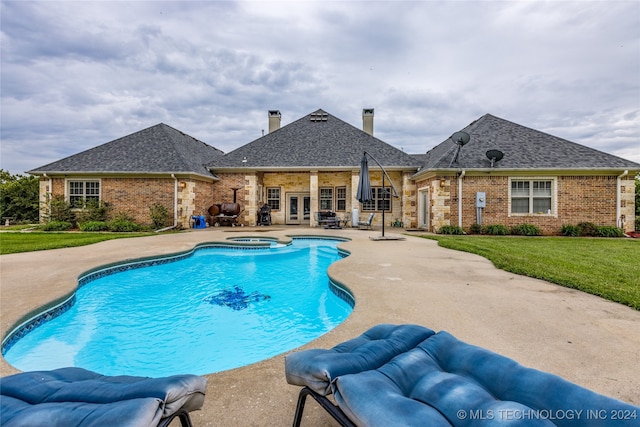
[{"x": 218, "y": 309}]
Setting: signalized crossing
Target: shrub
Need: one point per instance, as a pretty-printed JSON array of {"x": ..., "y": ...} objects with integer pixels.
[
  {"x": 59, "y": 210},
  {"x": 588, "y": 229},
  {"x": 525, "y": 230},
  {"x": 122, "y": 216},
  {"x": 123, "y": 225},
  {"x": 570, "y": 230},
  {"x": 450, "y": 229},
  {"x": 93, "y": 226},
  {"x": 56, "y": 226},
  {"x": 637, "y": 228},
  {"x": 495, "y": 230},
  {"x": 608, "y": 231},
  {"x": 476, "y": 228},
  {"x": 94, "y": 210},
  {"x": 159, "y": 215}
]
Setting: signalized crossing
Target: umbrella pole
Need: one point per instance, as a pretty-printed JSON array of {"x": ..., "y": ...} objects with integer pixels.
[
  {"x": 363, "y": 165},
  {"x": 384, "y": 197}
]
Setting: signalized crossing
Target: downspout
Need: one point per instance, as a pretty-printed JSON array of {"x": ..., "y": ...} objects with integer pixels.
[
  {"x": 460, "y": 198},
  {"x": 175, "y": 206},
  {"x": 619, "y": 221}
]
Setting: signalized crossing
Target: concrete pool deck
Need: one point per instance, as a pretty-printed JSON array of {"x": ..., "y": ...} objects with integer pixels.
[{"x": 583, "y": 338}]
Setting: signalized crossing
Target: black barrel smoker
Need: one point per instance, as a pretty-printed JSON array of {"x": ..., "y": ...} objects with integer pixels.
[{"x": 225, "y": 213}]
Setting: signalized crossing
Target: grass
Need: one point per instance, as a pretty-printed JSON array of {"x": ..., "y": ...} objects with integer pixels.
[
  {"x": 605, "y": 267},
  {"x": 15, "y": 242}
]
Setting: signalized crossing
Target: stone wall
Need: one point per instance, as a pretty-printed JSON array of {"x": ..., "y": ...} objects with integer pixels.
[
  {"x": 440, "y": 193},
  {"x": 305, "y": 182}
]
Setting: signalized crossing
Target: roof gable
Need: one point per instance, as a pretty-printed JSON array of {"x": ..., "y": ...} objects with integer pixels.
[
  {"x": 523, "y": 148},
  {"x": 318, "y": 139},
  {"x": 157, "y": 149}
]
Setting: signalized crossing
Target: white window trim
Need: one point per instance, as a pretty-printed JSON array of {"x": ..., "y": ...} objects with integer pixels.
[
  {"x": 267, "y": 198},
  {"x": 337, "y": 199},
  {"x": 378, "y": 201},
  {"x": 554, "y": 195},
  {"x": 67, "y": 193},
  {"x": 331, "y": 199}
]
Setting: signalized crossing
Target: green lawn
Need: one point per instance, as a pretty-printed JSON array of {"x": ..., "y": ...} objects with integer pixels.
[
  {"x": 609, "y": 268},
  {"x": 11, "y": 242}
]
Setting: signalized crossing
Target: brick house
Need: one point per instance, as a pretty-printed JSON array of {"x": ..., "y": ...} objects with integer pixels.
[
  {"x": 313, "y": 163},
  {"x": 156, "y": 165},
  {"x": 520, "y": 175}
]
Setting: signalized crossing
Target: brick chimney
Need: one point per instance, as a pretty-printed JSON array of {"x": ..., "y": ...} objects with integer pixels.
[
  {"x": 367, "y": 120},
  {"x": 274, "y": 120}
]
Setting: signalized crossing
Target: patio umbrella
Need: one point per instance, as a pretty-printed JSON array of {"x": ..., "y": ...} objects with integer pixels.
[{"x": 364, "y": 193}]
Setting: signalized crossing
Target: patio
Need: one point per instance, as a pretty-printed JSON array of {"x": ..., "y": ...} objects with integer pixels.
[{"x": 583, "y": 338}]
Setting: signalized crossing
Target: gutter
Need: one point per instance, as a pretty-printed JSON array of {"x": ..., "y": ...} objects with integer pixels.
[
  {"x": 619, "y": 219},
  {"x": 460, "y": 197},
  {"x": 426, "y": 172}
]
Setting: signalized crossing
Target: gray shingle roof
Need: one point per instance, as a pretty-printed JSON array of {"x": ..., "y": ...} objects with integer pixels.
[
  {"x": 307, "y": 143},
  {"x": 523, "y": 148},
  {"x": 158, "y": 149}
]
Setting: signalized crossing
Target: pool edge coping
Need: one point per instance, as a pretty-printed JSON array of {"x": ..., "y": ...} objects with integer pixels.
[{"x": 49, "y": 311}]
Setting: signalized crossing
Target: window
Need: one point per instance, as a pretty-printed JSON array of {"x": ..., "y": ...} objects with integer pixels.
[
  {"x": 81, "y": 192},
  {"x": 273, "y": 198},
  {"x": 377, "y": 203},
  {"x": 326, "y": 199},
  {"x": 531, "y": 196},
  {"x": 341, "y": 198}
]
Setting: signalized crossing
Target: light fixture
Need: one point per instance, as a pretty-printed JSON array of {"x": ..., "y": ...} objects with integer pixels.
[
  {"x": 442, "y": 182},
  {"x": 183, "y": 184}
]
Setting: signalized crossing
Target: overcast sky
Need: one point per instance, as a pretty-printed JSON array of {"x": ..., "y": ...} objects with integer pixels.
[{"x": 78, "y": 74}]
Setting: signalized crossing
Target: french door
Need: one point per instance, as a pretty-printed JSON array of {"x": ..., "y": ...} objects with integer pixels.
[{"x": 298, "y": 208}]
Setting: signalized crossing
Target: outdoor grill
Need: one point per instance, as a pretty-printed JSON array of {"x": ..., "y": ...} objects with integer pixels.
[{"x": 225, "y": 213}]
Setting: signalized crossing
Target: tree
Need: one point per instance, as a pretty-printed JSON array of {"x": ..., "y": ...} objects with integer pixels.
[{"x": 19, "y": 197}]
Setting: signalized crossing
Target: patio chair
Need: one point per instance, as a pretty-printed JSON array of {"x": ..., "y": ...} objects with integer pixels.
[
  {"x": 80, "y": 398},
  {"x": 367, "y": 223},
  {"x": 409, "y": 375}
]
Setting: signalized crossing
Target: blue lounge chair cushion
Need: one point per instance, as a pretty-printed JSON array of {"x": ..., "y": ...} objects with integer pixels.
[
  {"x": 443, "y": 381},
  {"x": 75, "y": 396},
  {"x": 317, "y": 368}
]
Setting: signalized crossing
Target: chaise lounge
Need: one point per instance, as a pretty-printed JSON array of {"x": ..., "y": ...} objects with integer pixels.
[
  {"x": 366, "y": 224},
  {"x": 409, "y": 375},
  {"x": 80, "y": 398}
]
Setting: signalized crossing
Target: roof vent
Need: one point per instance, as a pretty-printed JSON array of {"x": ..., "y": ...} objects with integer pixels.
[{"x": 319, "y": 117}]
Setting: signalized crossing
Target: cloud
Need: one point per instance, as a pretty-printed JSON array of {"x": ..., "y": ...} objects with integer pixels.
[{"x": 79, "y": 74}]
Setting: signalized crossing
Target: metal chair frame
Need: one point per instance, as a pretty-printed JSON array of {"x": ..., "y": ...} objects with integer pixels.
[{"x": 325, "y": 403}]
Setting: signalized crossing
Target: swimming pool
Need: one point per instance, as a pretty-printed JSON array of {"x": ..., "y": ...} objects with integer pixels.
[{"x": 213, "y": 309}]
